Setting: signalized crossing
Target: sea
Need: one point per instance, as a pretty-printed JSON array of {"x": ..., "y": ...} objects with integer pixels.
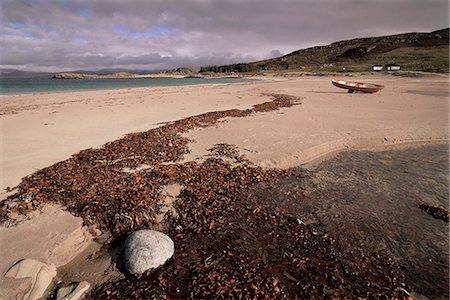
[{"x": 32, "y": 85}]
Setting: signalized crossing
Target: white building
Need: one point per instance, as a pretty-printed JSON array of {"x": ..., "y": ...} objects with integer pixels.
[
  {"x": 393, "y": 67},
  {"x": 377, "y": 67}
]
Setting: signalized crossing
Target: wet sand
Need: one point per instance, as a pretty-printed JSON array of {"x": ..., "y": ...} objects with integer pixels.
[{"x": 369, "y": 199}]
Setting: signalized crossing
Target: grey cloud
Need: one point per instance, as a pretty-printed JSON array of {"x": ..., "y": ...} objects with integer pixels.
[
  {"x": 274, "y": 53},
  {"x": 172, "y": 33}
]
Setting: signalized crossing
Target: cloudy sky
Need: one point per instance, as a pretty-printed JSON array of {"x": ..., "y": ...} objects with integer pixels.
[{"x": 57, "y": 35}]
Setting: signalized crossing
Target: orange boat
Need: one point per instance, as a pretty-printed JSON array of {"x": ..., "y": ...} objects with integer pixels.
[{"x": 352, "y": 86}]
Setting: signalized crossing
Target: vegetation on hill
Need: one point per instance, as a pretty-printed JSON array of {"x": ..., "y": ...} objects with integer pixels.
[{"x": 427, "y": 52}]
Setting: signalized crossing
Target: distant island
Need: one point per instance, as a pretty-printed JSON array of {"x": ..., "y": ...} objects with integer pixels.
[
  {"x": 184, "y": 72},
  {"x": 73, "y": 75}
]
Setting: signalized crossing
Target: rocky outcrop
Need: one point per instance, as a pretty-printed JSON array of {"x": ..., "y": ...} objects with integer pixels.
[{"x": 41, "y": 276}]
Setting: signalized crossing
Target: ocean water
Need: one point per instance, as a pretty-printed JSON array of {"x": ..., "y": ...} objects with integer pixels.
[{"x": 16, "y": 86}]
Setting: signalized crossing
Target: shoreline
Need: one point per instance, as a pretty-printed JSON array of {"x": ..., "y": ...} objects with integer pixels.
[{"x": 137, "y": 88}]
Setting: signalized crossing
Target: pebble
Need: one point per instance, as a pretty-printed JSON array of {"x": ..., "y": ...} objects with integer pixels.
[
  {"x": 73, "y": 291},
  {"x": 147, "y": 249}
]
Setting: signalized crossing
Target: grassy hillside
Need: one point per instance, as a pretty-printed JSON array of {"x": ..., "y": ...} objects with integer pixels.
[{"x": 412, "y": 51}]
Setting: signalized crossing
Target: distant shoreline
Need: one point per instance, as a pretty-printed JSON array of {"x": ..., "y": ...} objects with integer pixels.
[
  {"x": 113, "y": 75},
  {"x": 289, "y": 73},
  {"x": 70, "y": 75}
]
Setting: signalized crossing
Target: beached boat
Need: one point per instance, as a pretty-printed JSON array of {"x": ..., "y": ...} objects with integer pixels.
[{"x": 352, "y": 86}]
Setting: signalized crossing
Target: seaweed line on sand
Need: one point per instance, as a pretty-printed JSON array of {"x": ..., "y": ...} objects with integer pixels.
[
  {"x": 87, "y": 172},
  {"x": 228, "y": 244}
]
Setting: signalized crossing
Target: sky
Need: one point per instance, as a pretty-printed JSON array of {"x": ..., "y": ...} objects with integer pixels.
[{"x": 64, "y": 35}]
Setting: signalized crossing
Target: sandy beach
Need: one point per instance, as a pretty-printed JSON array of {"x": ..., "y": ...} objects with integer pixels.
[{"x": 40, "y": 130}]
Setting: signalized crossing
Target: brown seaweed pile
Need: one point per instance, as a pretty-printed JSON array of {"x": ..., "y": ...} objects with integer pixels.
[
  {"x": 227, "y": 244},
  {"x": 94, "y": 180}
]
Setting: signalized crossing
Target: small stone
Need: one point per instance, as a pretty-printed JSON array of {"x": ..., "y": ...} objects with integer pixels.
[
  {"x": 41, "y": 276},
  {"x": 73, "y": 291},
  {"x": 306, "y": 194},
  {"x": 66, "y": 290},
  {"x": 12, "y": 204},
  {"x": 147, "y": 249}
]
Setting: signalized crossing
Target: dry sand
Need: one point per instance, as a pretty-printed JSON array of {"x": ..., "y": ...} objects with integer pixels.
[
  {"x": 329, "y": 120},
  {"x": 42, "y": 129}
]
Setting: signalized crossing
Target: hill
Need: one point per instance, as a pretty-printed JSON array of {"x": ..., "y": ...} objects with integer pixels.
[
  {"x": 412, "y": 51},
  {"x": 18, "y": 74}
]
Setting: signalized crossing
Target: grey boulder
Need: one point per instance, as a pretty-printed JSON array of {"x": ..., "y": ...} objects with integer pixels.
[{"x": 146, "y": 249}]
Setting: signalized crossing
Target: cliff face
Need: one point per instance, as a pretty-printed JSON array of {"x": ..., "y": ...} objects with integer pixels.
[{"x": 413, "y": 51}]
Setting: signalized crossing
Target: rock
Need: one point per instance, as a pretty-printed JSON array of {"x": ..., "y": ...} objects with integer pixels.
[
  {"x": 147, "y": 249},
  {"x": 66, "y": 290},
  {"x": 73, "y": 291},
  {"x": 41, "y": 276}
]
